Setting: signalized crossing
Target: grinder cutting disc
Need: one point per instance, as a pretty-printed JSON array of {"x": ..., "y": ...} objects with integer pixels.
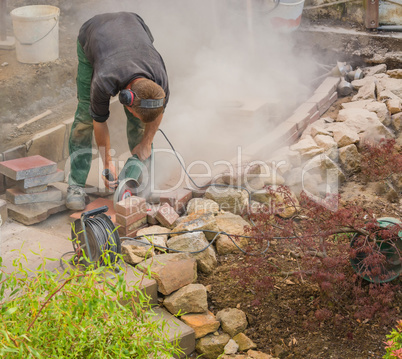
[{"x": 126, "y": 188}]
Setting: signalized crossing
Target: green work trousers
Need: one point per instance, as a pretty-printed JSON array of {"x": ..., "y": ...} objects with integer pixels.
[{"x": 80, "y": 142}]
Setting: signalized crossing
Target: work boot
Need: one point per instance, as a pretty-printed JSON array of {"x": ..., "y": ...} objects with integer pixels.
[{"x": 75, "y": 198}]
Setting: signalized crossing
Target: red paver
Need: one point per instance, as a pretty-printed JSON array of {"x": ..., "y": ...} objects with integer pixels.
[
  {"x": 99, "y": 202},
  {"x": 166, "y": 215},
  {"x": 314, "y": 117},
  {"x": 151, "y": 213},
  {"x": 25, "y": 167},
  {"x": 125, "y": 232},
  {"x": 131, "y": 205},
  {"x": 199, "y": 192},
  {"x": 329, "y": 85},
  {"x": 128, "y": 220},
  {"x": 300, "y": 119},
  {"x": 177, "y": 199}
]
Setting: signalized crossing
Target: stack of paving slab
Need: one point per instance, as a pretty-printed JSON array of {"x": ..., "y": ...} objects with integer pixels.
[
  {"x": 131, "y": 216},
  {"x": 32, "y": 199}
]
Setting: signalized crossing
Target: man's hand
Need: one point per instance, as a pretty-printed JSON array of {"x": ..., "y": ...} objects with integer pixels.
[
  {"x": 112, "y": 184},
  {"x": 142, "y": 150}
]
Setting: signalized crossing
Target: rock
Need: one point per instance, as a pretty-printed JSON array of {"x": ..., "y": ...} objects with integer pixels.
[
  {"x": 241, "y": 174},
  {"x": 394, "y": 106},
  {"x": 396, "y": 121},
  {"x": 202, "y": 205},
  {"x": 197, "y": 221},
  {"x": 281, "y": 203},
  {"x": 380, "y": 109},
  {"x": 344, "y": 135},
  {"x": 231, "y": 347},
  {"x": 393, "y": 85},
  {"x": 233, "y": 321},
  {"x": 350, "y": 158},
  {"x": 156, "y": 239},
  {"x": 245, "y": 343},
  {"x": 171, "y": 271},
  {"x": 191, "y": 242},
  {"x": 356, "y": 104},
  {"x": 396, "y": 74},
  {"x": 202, "y": 324},
  {"x": 294, "y": 158},
  {"x": 229, "y": 199},
  {"x": 305, "y": 145},
  {"x": 318, "y": 128},
  {"x": 212, "y": 346},
  {"x": 386, "y": 95},
  {"x": 366, "y": 92},
  {"x": 252, "y": 354},
  {"x": 191, "y": 298},
  {"x": 231, "y": 224},
  {"x": 367, "y": 80},
  {"x": 373, "y": 70},
  {"x": 134, "y": 252},
  {"x": 328, "y": 144},
  {"x": 130, "y": 257}
]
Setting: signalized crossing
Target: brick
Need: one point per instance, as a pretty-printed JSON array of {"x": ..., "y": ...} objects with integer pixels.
[
  {"x": 199, "y": 192},
  {"x": 130, "y": 219},
  {"x": 125, "y": 232},
  {"x": 284, "y": 132},
  {"x": 333, "y": 97},
  {"x": 99, "y": 202},
  {"x": 2, "y": 179},
  {"x": 177, "y": 199},
  {"x": 15, "y": 196},
  {"x": 57, "y": 176},
  {"x": 131, "y": 205},
  {"x": 319, "y": 98},
  {"x": 33, "y": 166},
  {"x": 152, "y": 209},
  {"x": 300, "y": 119},
  {"x": 166, "y": 215},
  {"x": 3, "y": 212},
  {"x": 329, "y": 85},
  {"x": 48, "y": 143}
]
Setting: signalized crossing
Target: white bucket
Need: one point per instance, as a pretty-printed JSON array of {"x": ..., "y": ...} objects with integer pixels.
[
  {"x": 286, "y": 17},
  {"x": 36, "y": 30}
]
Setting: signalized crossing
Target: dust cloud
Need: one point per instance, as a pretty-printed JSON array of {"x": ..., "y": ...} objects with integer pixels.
[{"x": 222, "y": 57}]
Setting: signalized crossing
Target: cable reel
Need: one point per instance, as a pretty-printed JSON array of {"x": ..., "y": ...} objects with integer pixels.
[{"x": 95, "y": 239}]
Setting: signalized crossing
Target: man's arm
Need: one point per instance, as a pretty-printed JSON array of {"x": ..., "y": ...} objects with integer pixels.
[
  {"x": 144, "y": 148},
  {"x": 102, "y": 138}
]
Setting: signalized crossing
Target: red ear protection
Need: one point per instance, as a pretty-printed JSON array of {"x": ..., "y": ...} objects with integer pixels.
[{"x": 126, "y": 97}]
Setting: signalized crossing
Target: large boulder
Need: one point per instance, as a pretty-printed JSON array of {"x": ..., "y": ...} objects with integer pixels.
[
  {"x": 212, "y": 346},
  {"x": 171, "y": 271},
  {"x": 233, "y": 321},
  {"x": 229, "y": 199},
  {"x": 191, "y": 298},
  {"x": 202, "y": 324},
  {"x": 233, "y": 225},
  {"x": 192, "y": 242}
]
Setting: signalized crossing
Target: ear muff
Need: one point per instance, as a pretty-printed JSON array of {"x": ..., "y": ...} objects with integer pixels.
[{"x": 126, "y": 97}]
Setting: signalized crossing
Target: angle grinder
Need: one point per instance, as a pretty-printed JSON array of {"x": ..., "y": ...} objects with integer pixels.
[{"x": 133, "y": 178}]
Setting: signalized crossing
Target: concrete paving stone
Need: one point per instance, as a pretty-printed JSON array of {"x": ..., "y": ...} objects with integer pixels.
[
  {"x": 68, "y": 123},
  {"x": 57, "y": 176},
  {"x": 131, "y": 205},
  {"x": 32, "y": 166},
  {"x": 29, "y": 190},
  {"x": 329, "y": 85},
  {"x": 134, "y": 279},
  {"x": 320, "y": 98},
  {"x": 300, "y": 119},
  {"x": 166, "y": 215},
  {"x": 314, "y": 117},
  {"x": 126, "y": 221},
  {"x": 16, "y": 196},
  {"x": 14, "y": 153},
  {"x": 3, "y": 212},
  {"x": 307, "y": 107},
  {"x": 99, "y": 202},
  {"x": 32, "y": 213},
  {"x": 48, "y": 143},
  {"x": 176, "y": 330}
]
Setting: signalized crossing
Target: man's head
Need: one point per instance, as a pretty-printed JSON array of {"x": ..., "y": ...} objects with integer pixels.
[{"x": 145, "y": 89}]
